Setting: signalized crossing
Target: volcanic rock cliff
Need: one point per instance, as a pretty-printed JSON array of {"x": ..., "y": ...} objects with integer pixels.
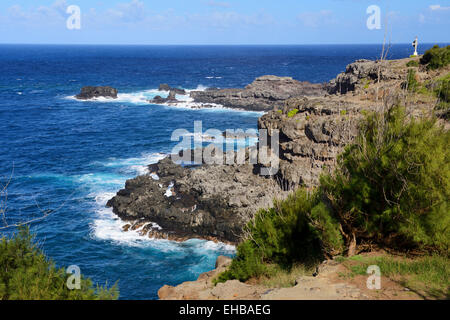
[
  {"x": 262, "y": 95},
  {"x": 216, "y": 201}
]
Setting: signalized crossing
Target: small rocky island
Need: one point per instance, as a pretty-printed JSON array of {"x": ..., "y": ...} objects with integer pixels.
[{"x": 97, "y": 92}]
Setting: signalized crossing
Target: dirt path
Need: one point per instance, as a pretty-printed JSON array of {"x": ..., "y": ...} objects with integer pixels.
[{"x": 327, "y": 285}]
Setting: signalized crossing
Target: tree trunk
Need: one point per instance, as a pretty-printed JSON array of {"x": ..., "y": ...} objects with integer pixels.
[{"x": 352, "y": 246}]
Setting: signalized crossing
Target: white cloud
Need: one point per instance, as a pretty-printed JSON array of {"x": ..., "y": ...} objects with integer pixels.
[
  {"x": 435, "y": 14},
  {"x": 437, "y": 7},
  {"x": 42, "y": 15},
  {"x": 315, "y": 19},
  {"x": 135, "y": 14},
  {"x": 133, "y": 11}
]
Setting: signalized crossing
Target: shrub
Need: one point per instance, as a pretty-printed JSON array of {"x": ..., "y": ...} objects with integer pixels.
[
  {"x": 392, "y": 186},
  {"x": 443, "y": 89},
  {"x": 436, "y": 57},
  {"x": 247, "y": 264},
  {"x": 412, "y": 83},
  {"x": 328, "y": 229},
  {"x": 281, "y": 235},
  {"x": 26, "y": 274},
  {"x": 412, "y": 63}
]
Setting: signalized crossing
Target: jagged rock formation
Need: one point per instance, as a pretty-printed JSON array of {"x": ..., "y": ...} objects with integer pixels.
[
  {"x": 216, "y": 201},
  {"x": 211, "y": 202},
  {"x": 172, "y": 98},
  {"x": 263, "y": 94},
  {"x": 96, "y": 92},
  {"x": 360, "y": 74},
  {"x": 312, "y": 134},
  {"x": 166, "y": 87}
]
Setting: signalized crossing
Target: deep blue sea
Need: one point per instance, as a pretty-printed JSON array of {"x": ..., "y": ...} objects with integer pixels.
[{"x": 71, "y": 157}]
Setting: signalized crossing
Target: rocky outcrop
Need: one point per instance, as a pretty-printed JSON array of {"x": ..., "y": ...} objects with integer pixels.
[
  {"x": 212, "y": 202},
  {"x": 312, "y": 133},
  {"x": 360, "y": 74},
  {"x": 263, "y": 94},
  {"x": 215, "y": 201},
  {"x": 172, "y": 98},
  {"x": 96, "y": 92},
  {"x": 166, "y": 87}
]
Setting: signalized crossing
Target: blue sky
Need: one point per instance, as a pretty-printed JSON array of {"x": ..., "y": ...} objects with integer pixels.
[{"x": 222, "y": 21}]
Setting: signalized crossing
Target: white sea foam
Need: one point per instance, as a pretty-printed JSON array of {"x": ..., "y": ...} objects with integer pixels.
[
  {"x": 135, "y": 166},
  {"x": 154, "y": 176},
  {"x": 169, "y": 192},
  {"x": 108, "y": 227},
  {"x": 143, "y": 97}
]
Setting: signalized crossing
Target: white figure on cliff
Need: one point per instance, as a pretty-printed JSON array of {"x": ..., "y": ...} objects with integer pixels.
[{"x": 415, "y": 45}]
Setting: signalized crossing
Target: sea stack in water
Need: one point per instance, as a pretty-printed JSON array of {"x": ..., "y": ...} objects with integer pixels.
[
  {"x": 172, "y": 98},
  {"x": 96, "y": 92},
  {"x": 166, "y": 87}
]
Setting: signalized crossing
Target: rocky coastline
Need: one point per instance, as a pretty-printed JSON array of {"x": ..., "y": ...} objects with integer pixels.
[
  {"x": 263, "y": 94},
  {"x": 215, "y": 202}
]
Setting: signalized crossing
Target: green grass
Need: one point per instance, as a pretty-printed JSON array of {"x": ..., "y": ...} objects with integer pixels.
[
  {"x": 428, "y": 276},
  {"x": 281, "y": 278}
]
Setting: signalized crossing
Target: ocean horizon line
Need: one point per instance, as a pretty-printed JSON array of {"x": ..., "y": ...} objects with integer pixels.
[{"x": 213, "y": 45}]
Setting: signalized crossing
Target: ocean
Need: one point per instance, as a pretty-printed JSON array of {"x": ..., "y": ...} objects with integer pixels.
[{"x": 71, "y": 156}]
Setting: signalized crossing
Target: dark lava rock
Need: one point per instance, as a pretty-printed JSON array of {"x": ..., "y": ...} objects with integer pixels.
[
  {"x": 166, "y": 87},
  {"x": 208, "y": 202},
  {"x": 262, "y": 95},
  {"x": 95, "y": 92},
  {"x": 172, "y": 98}
]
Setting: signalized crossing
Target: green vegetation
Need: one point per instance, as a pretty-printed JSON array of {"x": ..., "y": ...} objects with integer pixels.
[
  {"x": 391, "y": 188},
  {"x": 367, "y": 83},
  {"x": 283, "y": 278},
  {"x": 26, "y": 274},
  {"x": 428, "y": 275},
  {"x": 343, "y": 112},
  {"x": 412, "y": 83},
  {"x": 279, "y": 236},
  {"x": 442, "y": 91},
  {"x": 292, "y": 113},
  {"x": 412, "y": 63},
  {"x": 436, "y": 57}
]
